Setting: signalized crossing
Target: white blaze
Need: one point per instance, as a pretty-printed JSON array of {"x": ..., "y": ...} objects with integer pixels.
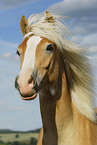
[
  {"x": 28, "y": 64},
  {"x": 29, "y": 58}
]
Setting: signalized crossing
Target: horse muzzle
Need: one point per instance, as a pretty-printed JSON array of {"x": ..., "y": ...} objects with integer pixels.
[{"x": 28, "y": 89}]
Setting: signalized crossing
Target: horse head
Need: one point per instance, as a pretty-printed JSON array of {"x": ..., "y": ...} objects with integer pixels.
[{"x": 39, "y": 61}]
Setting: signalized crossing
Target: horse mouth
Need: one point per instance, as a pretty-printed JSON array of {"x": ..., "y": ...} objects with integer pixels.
[
  {"x": 28, "y": 95},
  {"x": 32, "y": 94},
  {"x": 28, "y": 98}
]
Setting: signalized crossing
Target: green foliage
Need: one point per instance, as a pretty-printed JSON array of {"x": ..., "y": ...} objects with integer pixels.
[
  {"x": 22, "y": 143},
  {"x": 17, "y": 136},
  {"x": 15, "y": 143},
  {"x": 1, "y": 142},
  {"x": 33, "y": 141},
  {"x": 9, "y": 143}
]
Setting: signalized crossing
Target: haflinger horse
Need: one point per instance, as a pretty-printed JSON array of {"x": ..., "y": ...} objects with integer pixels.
[{"x": 60, "y": 72}]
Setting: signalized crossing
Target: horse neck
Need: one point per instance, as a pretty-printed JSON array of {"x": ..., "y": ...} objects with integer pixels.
[
  {"x": 84, "y": 129},
  {"x": 62, "y": 123},
  {"x": 64, "y": 112},
  {"x": 56, "y": 112}
]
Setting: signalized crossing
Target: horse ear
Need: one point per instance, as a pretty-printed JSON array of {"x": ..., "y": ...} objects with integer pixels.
[
  {"x": 24, "y": 25},
  {"x": 49, "y": 18}
]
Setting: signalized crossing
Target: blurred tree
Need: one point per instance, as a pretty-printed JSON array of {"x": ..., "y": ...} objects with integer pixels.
[
  {"x": 15, "y": 143},
  {"x": 33, "y": 141},
  {"x": 1, "y": 142},
  {"x": 17, "y": 135},
  {"x": 9, "y": 143}
]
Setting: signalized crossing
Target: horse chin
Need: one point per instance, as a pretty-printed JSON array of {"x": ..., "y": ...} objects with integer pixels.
[{"x": 28, "y": 98}]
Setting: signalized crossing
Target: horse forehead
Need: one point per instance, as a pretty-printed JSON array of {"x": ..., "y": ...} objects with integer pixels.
[
  {"x": 36, "y": 40},
  {"x": 28, "y": 41},
  {"x": 33, "y": 42},
  {"x": 31, "y": 46}
]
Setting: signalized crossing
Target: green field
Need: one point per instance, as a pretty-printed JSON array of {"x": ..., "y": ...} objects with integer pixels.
[
  {"x": 22, "y": 137},
  {"x": 19, "y": 138}
]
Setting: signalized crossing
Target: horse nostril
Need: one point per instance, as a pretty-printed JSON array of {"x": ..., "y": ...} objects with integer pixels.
[
  {"x": 30, "y": 80},
  {"x": 16, "y": 83},
  {"x": 33, "y": 83}
]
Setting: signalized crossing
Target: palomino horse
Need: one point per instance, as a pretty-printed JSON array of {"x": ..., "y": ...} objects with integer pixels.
[{"x": 60, "y": 71}]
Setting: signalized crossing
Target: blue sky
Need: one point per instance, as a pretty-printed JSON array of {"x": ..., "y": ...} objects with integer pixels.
[{"x": 15, "y": 113}]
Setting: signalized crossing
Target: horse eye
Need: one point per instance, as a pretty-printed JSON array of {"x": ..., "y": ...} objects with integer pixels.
[
  {"x": 50, "y": 47},
  {"x": 18, "y": 53}
]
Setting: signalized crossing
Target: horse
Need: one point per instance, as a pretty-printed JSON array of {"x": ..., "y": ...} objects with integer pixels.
[{"x": 61, "y": 73}]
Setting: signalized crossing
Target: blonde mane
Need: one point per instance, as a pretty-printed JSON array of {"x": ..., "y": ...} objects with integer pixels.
[{"x": 79, "y": 72}]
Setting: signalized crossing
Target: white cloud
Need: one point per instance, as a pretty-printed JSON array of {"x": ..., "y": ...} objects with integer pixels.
[
  {"x": 90, "y": 39},
  {"x": 83, "y": 26},
  {"x": 10, "y": 56},
  {"x": 93, "y": 61},
  {"x": 1, "y": 102},
  {"x": 84, "y": 21},
  {"x": 8, "y": 50},
  {"x": 88, "y": 42},
  {"x": 75, "y": 7},
  {"x": 1, "y": 70},
  {"x": 83, "y": 12},
  {"x": 85, "y": 40},
  {"x": 93, "y": 49},
  {"x": 6, "y": 55}
]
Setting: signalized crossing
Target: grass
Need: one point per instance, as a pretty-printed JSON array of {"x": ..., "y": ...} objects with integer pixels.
[{"x": 23, "y": 137}]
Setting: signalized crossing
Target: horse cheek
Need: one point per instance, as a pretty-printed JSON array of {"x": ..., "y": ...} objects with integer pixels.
[{"x": 53, "y": 72}]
